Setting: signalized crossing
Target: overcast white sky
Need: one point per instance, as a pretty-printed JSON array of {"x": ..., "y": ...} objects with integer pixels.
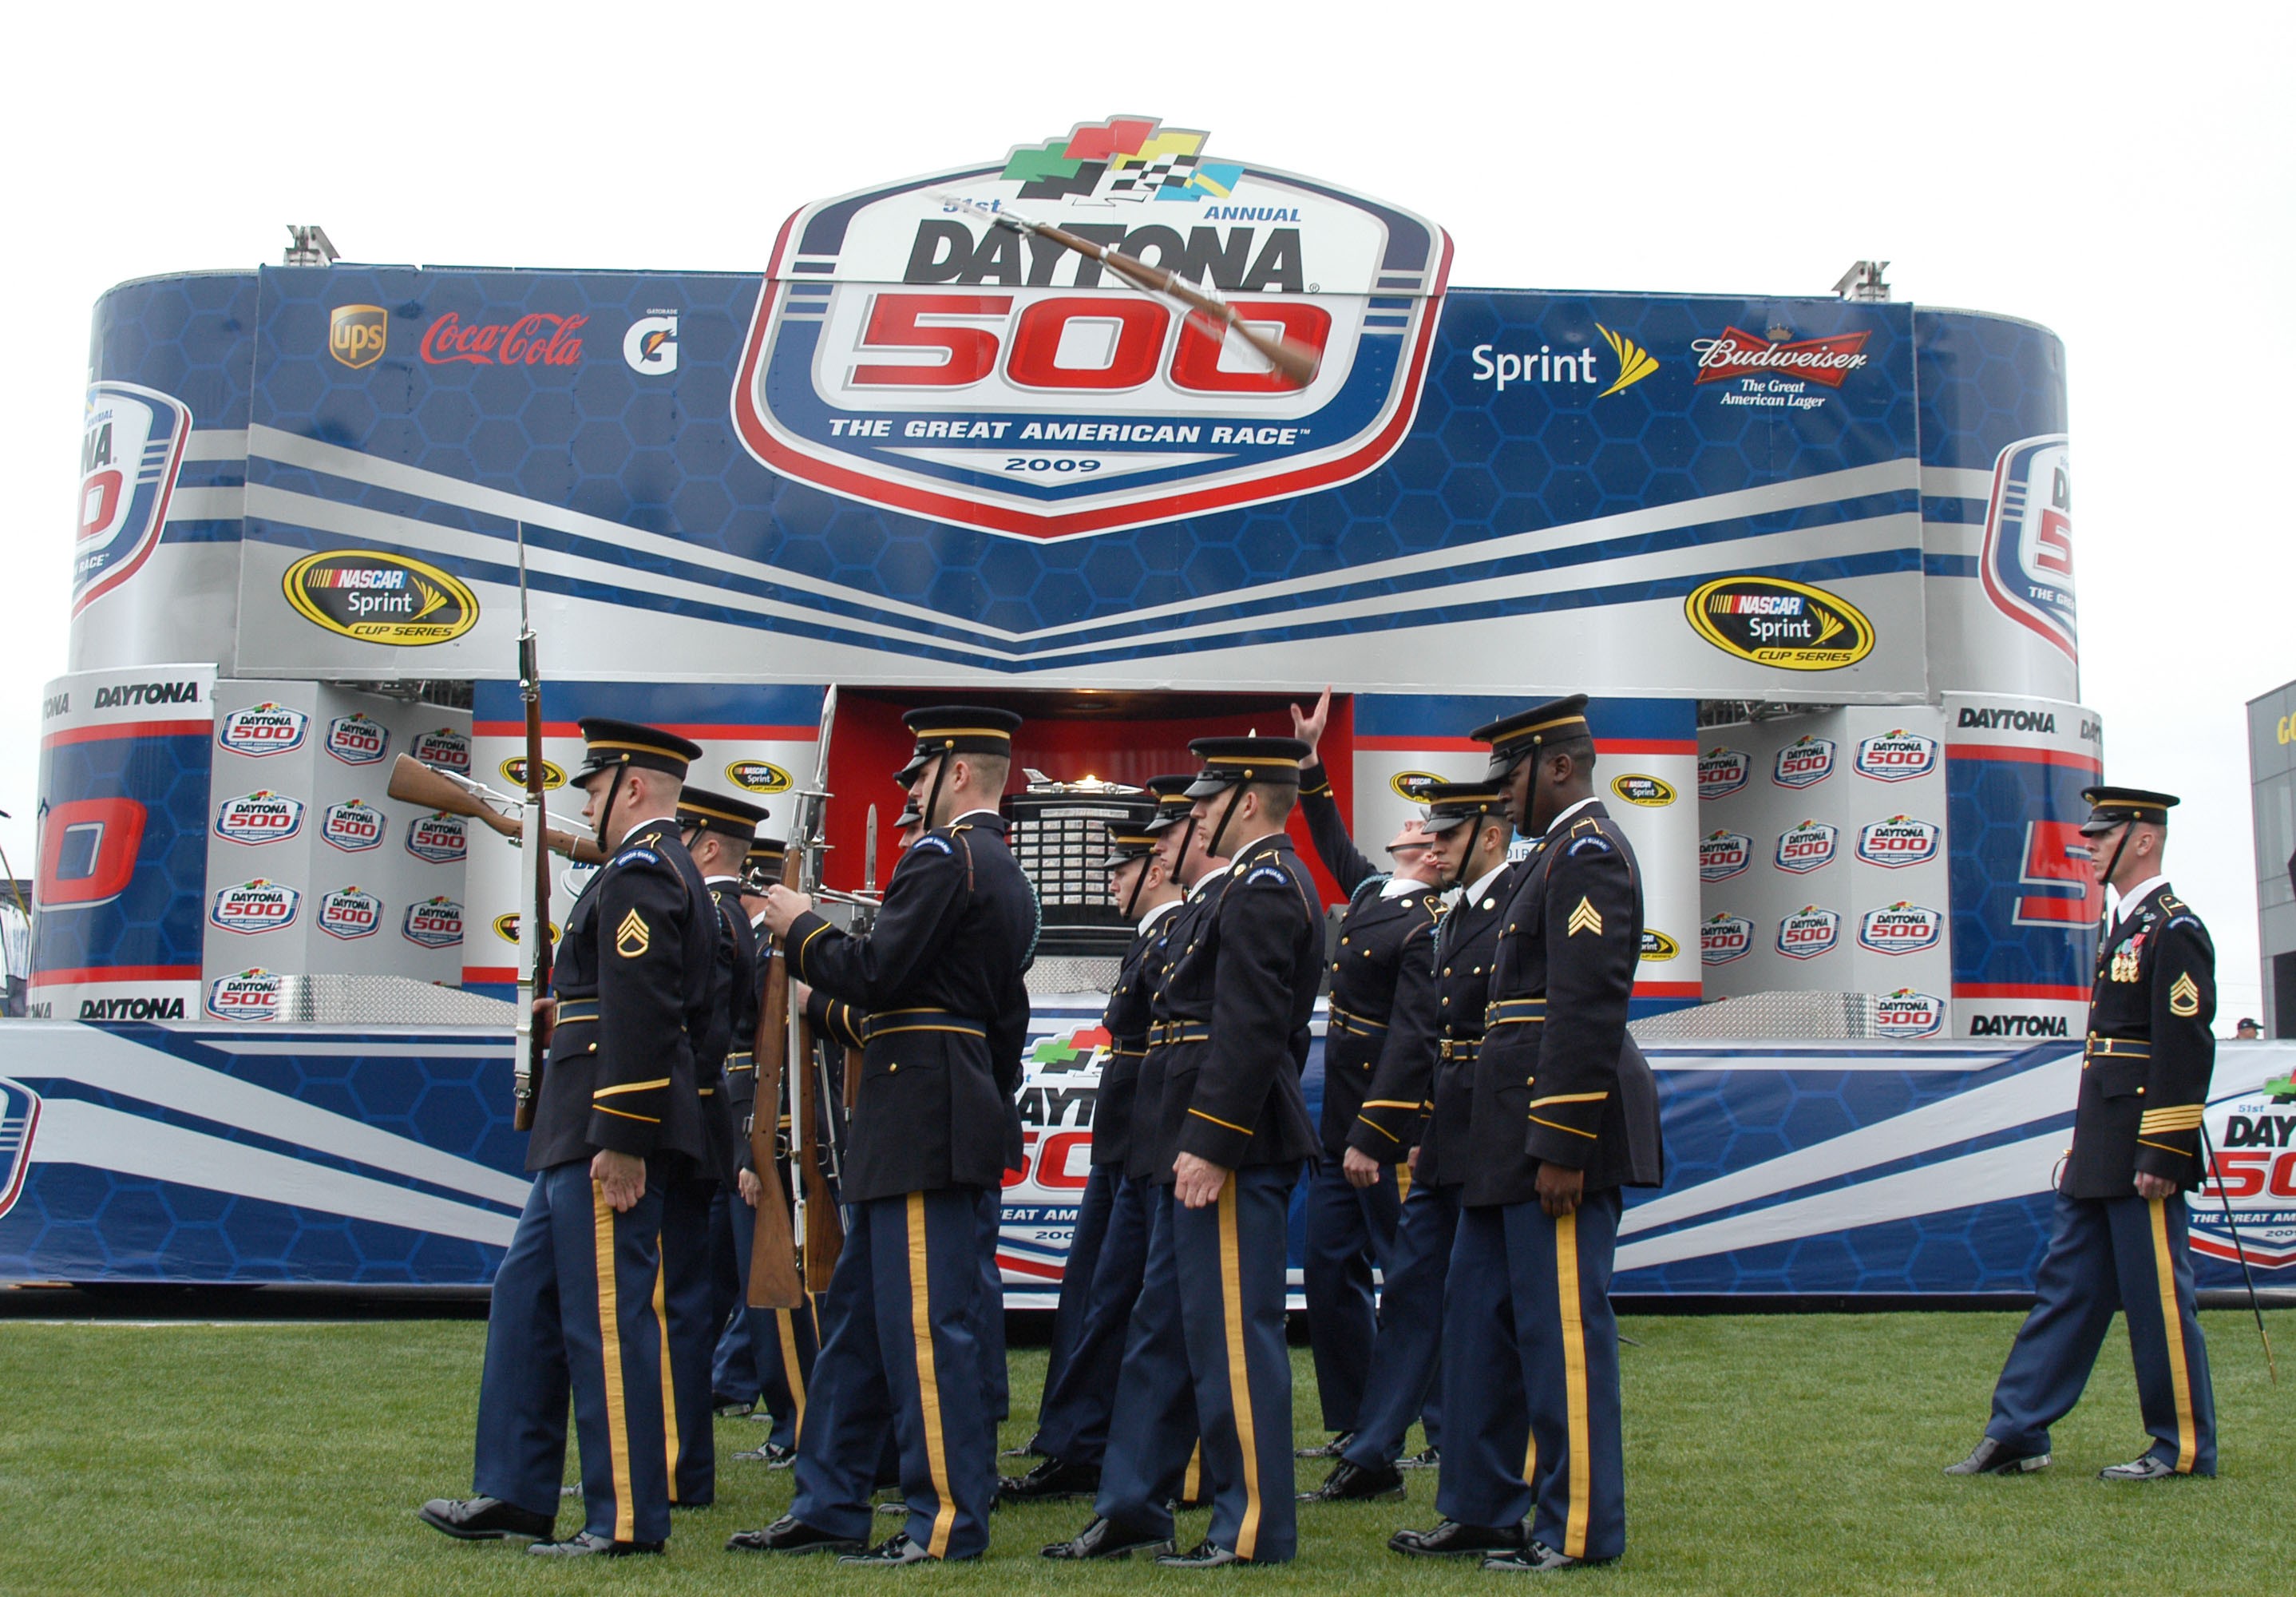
[{"x": 2122, "y": 177}]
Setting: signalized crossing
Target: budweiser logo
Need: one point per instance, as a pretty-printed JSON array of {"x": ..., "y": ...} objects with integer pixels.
[
  {"x": 537, "y": 339},
  {"x": 1739, "y": 353}
]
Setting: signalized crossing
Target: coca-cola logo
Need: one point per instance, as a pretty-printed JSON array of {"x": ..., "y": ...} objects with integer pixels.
[
  {"x": 259, "y": 817},
  {"x": 1896, "y": 756},
  {"x": 434, "y": 923},
  {"x": 1738, "y": 353},
  {"x": 353, "y": 825},
  {"x": 1804, "y": 762},
  {"x": 446, "y": 748},
  {"x": 1809, "y": 932},
  {"x": 1723, "y": 854},
  {"x": 1906, "y": 1013},
  {"x": 357, "y": 740},
  {"x": 1900, "y": 928},
  {"x": 1897, "y": 842},
  {"x": 1722, "y": 938},
  {"x": 261, "y": 730},
  {"x": 440, "y": 838},
  {"x": 1806, "y": 847},
  {"x": 351, "y": 912},
  {"x": 252, "y": 994},
  {"x": 1722, "y": 772},
  {"x": 251, "y": 907},
  {"x": 539, "y": 338}
]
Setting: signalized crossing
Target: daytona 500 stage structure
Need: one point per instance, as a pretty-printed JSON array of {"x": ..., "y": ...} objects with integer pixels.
[{"x": 1814, "y": 557}]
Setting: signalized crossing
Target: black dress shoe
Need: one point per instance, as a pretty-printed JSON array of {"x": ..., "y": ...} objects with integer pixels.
[
  {"x": 1050, "y": 1482},
  {"x": 1027, "y": 1450},
  {"x": 1207, "y": 1555},
  {"x": 730, "y": 1408},
  {"x": 769, "y": 1455},
  {"x": 1351, "y": 1482},
  {"x": 589, "y": 1546},
  {"x": 2147, "y": 1467},
  {"x": 790, "y": 1534},
  {"x": 1991, "y": 1457},
  {"x": 1330, "y": 1450},
  {"x": 893, "y": 1553},
  {"x": 485, "y": 1519},
  {"x": 1538, "y": 1558},
  {"x": 1430, "y": 1459},
  {"x": 1451, "y": 1539},
  {"x": 1105, "y": 1538}
]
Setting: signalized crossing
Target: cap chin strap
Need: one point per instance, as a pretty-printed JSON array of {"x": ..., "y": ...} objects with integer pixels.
[
  {"x": 940, "y": 771},
  {"x": 1180, "y": 854},
  {"x": 1467, "y": 855},
  {"x": 606, "y": 838},
  {"x": 2105, "y": 914},
  {"x": 1211, "y": 849},
  {"x": 1132, "y": 898}
]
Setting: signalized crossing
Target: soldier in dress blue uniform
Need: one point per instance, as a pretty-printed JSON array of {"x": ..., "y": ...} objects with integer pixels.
[
  {"x": 1386, "y": 939},
  {"x": 690, "y": 1300},
  {"x": 1417, "y": 1107},
  {"x": 617, "y": 1119},
  {"x": 1246, "y": 961},
  {"x": 938, "y": 976},
  {"x": 1105, "y": 1264},
  {"x": 1565, "y": 1114},
  {"x": 2118, "y": 1241}
]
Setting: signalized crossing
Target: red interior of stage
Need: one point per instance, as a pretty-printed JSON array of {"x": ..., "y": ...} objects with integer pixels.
[{"x": 1127, "y": 736}]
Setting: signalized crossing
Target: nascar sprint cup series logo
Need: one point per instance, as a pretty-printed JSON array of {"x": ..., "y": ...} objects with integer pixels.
[
  {"x": 131, "y": 452},
  {"x": 2027, "y": 564},
  {"x": 910, "y": 353},
  {"x": 380, "y": 598}
]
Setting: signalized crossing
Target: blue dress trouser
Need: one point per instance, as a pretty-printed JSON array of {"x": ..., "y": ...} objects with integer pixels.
[
  {"x": 903, "y": 1324},
  {"x": 573, "y": 1311},
  {"x": 1405, "y": 1359},
  {"x": 2105, "y": 1254},
  {"x": 1349, "y": 1230},
  {"x": 1530, "y": 1376},
  {"x": 1209, "y": 1324},
  {"x": 995, "y": 1380},
  {"x": 1072, "y": 1423},
  {"x": 687, "y": 1313},
  {"x": 733, "y": 1366},
  {"x": 766, "y": 1355},
  {"x": 1077, "y": 1273}
]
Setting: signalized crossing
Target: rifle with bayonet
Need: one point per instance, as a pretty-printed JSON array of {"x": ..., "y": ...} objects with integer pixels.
[
  {"x": 428, "y": 787},
  {"x": 532, "y": 1046},
  {"x": 775, "y": 1282},
  {"x": 819, "y": 1221}
]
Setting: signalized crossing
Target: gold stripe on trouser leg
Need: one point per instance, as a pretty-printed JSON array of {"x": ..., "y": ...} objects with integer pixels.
[
  {"x": 2180, "y": 1379},
  {"x": 792, "y": 1371},
  {"x": 928, "y": 1380},
  {"x": 1574, "y": 1380},
  {"x": 668, "y": 1377},
  {"x": 1239, "y": 1377},
  {"x": 1192, "y": 1484},
  {"x": 1402, "y": 1179},
  {"x": 609, "y": 1350}
]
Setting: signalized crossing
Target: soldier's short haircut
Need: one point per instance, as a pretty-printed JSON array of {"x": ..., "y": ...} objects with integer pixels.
[
  {"x": 1277, "y": 799},
  {"x": 993, "y": 771},
  {"x": 1581, "y": 751}
]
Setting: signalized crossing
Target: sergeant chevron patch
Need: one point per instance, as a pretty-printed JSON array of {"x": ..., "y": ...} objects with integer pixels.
[
  {"x": 1586, "y": 918},
  {"x": 633, "y": 937},
  {"x": 2184, "y": 997}
]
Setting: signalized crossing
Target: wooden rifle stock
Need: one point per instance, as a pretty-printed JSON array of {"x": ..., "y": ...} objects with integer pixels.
[
  {"x": 773, "y": 1282},
  {"x": 412, "y": 782}
]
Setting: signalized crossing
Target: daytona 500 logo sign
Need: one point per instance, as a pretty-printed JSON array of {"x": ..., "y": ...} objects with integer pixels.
[{"x": 907, "y": 353}]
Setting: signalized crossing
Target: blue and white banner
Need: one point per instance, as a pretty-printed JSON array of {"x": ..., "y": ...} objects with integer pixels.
[{"x": 290, "y": 1154}]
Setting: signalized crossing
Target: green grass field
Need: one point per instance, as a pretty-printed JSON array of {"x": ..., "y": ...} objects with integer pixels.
[{"x": 1784, "y": 1454}]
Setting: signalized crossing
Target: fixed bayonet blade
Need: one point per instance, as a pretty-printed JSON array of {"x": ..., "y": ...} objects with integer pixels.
[{"x": 869, "y": 855}]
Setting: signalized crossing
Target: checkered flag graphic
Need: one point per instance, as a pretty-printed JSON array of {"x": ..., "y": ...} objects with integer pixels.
[{"x": 1136, "y": 185}]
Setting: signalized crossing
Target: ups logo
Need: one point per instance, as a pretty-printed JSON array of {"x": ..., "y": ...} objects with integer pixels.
[{"x": 357, "y": 334}]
